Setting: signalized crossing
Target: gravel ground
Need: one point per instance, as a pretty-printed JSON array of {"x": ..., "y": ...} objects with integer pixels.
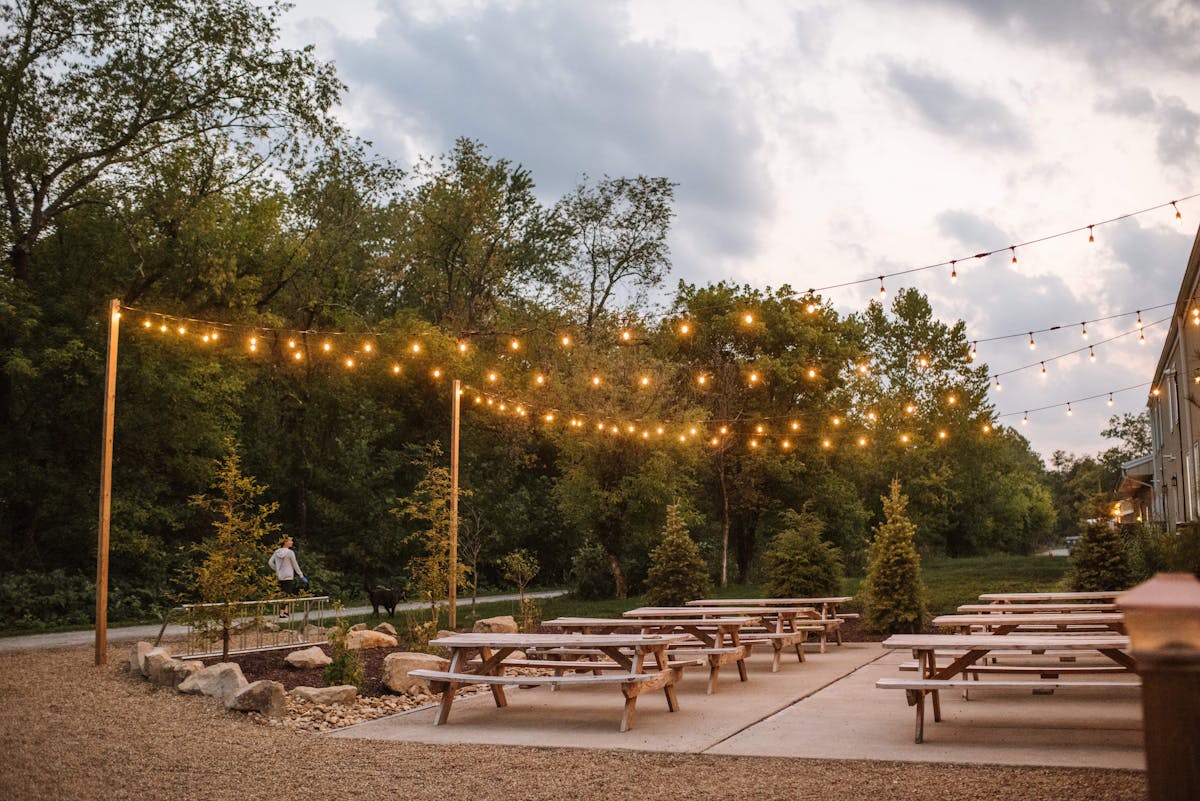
[{"x": 70, "y": 730}]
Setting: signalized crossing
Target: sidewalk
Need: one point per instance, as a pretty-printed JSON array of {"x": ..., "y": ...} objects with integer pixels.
[{"x": 149, "y": 632}]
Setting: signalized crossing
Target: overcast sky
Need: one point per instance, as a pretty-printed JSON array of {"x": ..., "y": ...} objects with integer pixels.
[{"x": 820, "y": 142}]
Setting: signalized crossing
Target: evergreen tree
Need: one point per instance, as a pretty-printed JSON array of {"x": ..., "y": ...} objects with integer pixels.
[
  {"x": 678, "y": 572},
  {"x": 798, "y": 563},
  {"x": 233, "y": 558},
  {"x": 893, "y": 593},
  {"x": 1100, "y": 561}
]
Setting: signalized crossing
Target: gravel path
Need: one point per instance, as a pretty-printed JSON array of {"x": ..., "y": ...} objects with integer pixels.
[{"x": 70, "y": 730}]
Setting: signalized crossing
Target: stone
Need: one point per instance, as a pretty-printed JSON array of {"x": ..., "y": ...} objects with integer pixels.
[
  {"x": 344, "y": 694},
  {"x": 504, "y": 624},
  {"x": 308, "y": 658},
  {"x": 160, "y": 668},
  {"x": 138, "y": 655},
  {"x": 312, "y": 632},
  {"x": 223, "y": 681},
  {"x": 184, "y": 668},
  {"x": 445, "y": 633},
  {"x": 363, "y": 638},
  {"x": 396, "y": 667},
  {"x": 386, "y": 628},
  {"x": 266, "y": 696},
  {"x": 359, "y": 627}
]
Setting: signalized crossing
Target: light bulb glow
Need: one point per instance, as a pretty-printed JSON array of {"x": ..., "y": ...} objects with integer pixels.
[
  {"x": 595, "y": 381},
  {"x": 396, "y": 371},
  {"x": 837, "y": 421},
  {"x": 986, "y": 428},
  {"x": 146, "y": 323},
  {"x": 1069, "y": 411},
  {"x": 1110, "y": 399},
  {"x": 163, "y": 328},
  {"x": 862, "y": 441},
  {"x": 785, "y": 444},
  {"x": 754, "y": 378},
  {"x": 416, "y": 347},
  {"x": 753, "y": 443},
  {"x": 701, "y": 380},
  {"x": 1178, "y": 216},
  {"x": 462, "y": 347},
  {"x": 812, "y": 373},
  {"x": 693, "y": 431},
  {"x": 1091, "y": 353},
  {"x": 953, "y": 271},
  {"x": 626, "y": 336},
  {"x": 515, "y": 344},
  {"x": 882, "y": 288},
  {"x": 492, "y": 377},
  {"x": 826, "y": 443},
  {"x": 758, "y": 429},
  {"x": 904, "y": 438},
  {"x": 291, "y": 343},
  {"x": 437, "y": 373},
  {"x": 997, "y": 383},
  {"x": 685, "y": 329},
  {"x": 1083, "y": 329},
  {"x": 748, "y": 319},
  {"x": 941, "y": 435},
  {"x": 909, "y": 408},
  {"x": 366, "y": 347},
  {"x": 327, "y": 347},
  {"x": 1091, "y": 236},
  {"x": 1014, "y": 254},
  {"x": 1032, "y": 344},
  {"x": 566, "y": 341},
  {"x": 795, "y": 425},
  {"x": 724, "y": 430},
  {"x": 1043, "y": 369},
  {"x": 182, "y": 330},
  {"x": 297, "y": 355},
  {"x": 541, "y": 379},
  {"x": 952, "y": 400},
  {"x": 349, "y": 362},
  {"x": 1025, "y": 419},
  {"x": 645, "y": 381},
  {"x": 872, "y": 416}
]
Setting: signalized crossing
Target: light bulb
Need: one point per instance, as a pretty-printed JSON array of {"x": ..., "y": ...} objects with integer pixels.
[
  {"x": 1091, "y": 238},
  {"x": 1069, "y": 412},
  {"x": 812, "y": 373},
  {"x": 291, "y": 343},
  {"x": 974, "y": 351},
  {"x": 1141, "y": 339},
  {"x": 1155, "y": 392},
  {"x": 163, "y": 328},
  {"x": 366, "y": 347},
  {"x": 682, "y": 438},
  {"x": 1110, "y": 399},
  {"x": 479, "y": 400},
  {"x": 810, "y": 308},
  {"x": 626, "y": 336},
  {"x": 910, "y": 408},
  {"x": 998, "y": 387},
  {"x": 515, "y": 344},
  {"x": 549, "y": 417},
  {"x": 416, "y": 347},
  {"x": 753, "y": 443},
  {"x": 1091, "y": 353},
  {"x": 1139, "y": 319},
  {"x": 724, "y": 430},
  {"x": 837, "y": 421},
  {"x": 693, "y": 431},
  {"x": 941, "y": 435},
  {"x": 758, "y": 429},
  {"x": 1025, "y": 419},
  {"x": 922, "y": 362},
  {"x": 645, "y": 435},
  {"x": 826, "y": 443},
  {"x": 882, "y": 288},
  {"x": 1032, "y": 344},
  {"x": 862, "y": 441},
  {"x": 503, "y": 407},
  {"x": 595, "y": 381},
  {"x": 864, "y": 368},
  {"x": 685, "y": 329},
  {"x": 795, "y": 425},
  {"x": 215, "y": 336},
  {"x": 437, "y": 373},
  {"x": 904, "y": 438},
  {"x": 146, "y": 323},
  {"x": 462, "y": 347},
  {"x": 1083, "y": 330},
  {"x": 645, "y": 381},
  {"x": 297, "y": 355},
  {"x": 204, "y": 338},
  {"x": 659, "y": 431},
  {"x": 349, "y": 363},
  {"x": 491, "y": 401},
  {"x": 748, "y": 319},
  {"x": 541, "y": 379},
  {"x": 785, "y": 444},
  {"x": 872, "y": 416},
  {"x": 630, "y": 428},
  {"x": 1043, "y": 369},
  {"x": 182, "y": 330},
  {"x": 566, "y": 341},
  {"x": 986, "y": 428},
  {"x": 754, "y": 378},
  {"x": 714, "y": 441},
  {"x": 952, "y": 400},
  {"x": 1014, "y": 254},
  {"x": 396, "y": 371},
  {"x": 1178, "y": 216},
  {"x": 701, "y": 380},
  {"x": 953, "y": 272},
  {"x": 492, "y": 377}
]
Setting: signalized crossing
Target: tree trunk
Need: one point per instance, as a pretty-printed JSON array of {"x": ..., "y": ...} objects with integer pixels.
[
  {"x": 618, "y": 576},
  {"x": 20, "y": 256}
]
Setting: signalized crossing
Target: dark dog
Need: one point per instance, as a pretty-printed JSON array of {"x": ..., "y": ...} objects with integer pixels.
[{"x": 385, "y": 597}]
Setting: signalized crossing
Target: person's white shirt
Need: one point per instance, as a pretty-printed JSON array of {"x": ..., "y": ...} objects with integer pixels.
[{"x": 284, "y": 563}]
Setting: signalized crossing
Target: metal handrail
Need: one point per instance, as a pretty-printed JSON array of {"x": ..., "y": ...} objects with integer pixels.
[{"x": 257, "y": 625}]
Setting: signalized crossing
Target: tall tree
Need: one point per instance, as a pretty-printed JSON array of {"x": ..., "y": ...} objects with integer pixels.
[
  {"x": 619, "y": 230},
  {"x": 91, "y": 91}
]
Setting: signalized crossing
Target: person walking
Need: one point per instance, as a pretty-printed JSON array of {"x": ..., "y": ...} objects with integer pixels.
[{"x": 286, "y": 568}]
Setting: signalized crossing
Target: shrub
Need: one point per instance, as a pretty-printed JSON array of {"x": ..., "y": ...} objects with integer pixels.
[
  {"x": 678, "y": 572},
  {"x": 1182, "y": 549},
  {"x": 591, "y": 576},
  {"x": 798, "y": 563},
  {"x": 893, "y": 594},
  {"x": 520, "y": 567},
  {"x": 346, "y": 667},
  {"x": 1100, "y": 560}
]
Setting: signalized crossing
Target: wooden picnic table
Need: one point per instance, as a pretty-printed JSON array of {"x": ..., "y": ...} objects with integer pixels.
[
  {"x": 828, "y": 616},
  {"x": 968, "y": 650},
  {"x": 638, "y": 665},
  {"x": 787, "y": 626},
  {"x": 717, "y": 639},
  {"x": 1033, "y": 597},
  {"x": 1035, "y": 608},
  {"x": 1056, "y": 622}
]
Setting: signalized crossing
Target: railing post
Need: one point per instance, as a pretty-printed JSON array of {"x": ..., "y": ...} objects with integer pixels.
[{"x": 1162, "y": 616}]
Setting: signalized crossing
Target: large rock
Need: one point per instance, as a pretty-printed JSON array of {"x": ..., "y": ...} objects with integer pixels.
[
  {"x": 396, "y": 667},
  {"x": 164, "y": 671},
  {"x": 138, "y": 655},
  {"x": 327, "y": 696},
  {"x": 503, "y": 624},
  {"x": 223, "y": 681},
  {"x": 359, "y": 627},
  {"x": 308, "y": 658},
  {"x": 369, "y": 639},
  {"x": 386, "y": 628},
  {"x": 312, "y": 632},
  {"x": 267, "y": 697}
]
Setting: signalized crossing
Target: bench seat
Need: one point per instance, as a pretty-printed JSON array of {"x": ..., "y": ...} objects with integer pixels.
[
  {"x": 917, "y": 688},
  {"x": 1046, "y": 671}
]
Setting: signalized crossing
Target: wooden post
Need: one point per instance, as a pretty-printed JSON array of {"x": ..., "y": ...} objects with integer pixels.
[
  {"x": 1163, "y": 619},
  {"x": 106, "y": 447},
  {"x": 453, "y": 596}
]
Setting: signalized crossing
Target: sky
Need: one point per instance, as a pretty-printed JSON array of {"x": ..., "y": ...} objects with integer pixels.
[{"x": 816, "y": 143}]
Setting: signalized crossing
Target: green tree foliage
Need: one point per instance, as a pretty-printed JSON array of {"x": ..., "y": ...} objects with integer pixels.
[
  {"x": 520, "y": 567},
  {"x": 428, "y": 505},
  {"x": 590, "y": 576},
  {"x": 798, "y": 563},
  {"x": 1100, "y": 561},
  {"x": 893, "y": 594},
  {"x": 678, "y": 572},
  {"x": 346, "y": 665},
  {"x": 232, "y": 558}
]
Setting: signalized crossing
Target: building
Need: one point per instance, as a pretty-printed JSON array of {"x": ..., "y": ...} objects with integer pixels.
[{"x": 1174, "y": 405}]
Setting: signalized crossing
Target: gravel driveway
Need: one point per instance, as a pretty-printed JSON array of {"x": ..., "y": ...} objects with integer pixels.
[{"x": 70, "y": 730}]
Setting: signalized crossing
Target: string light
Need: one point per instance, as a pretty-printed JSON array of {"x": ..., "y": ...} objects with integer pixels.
[
  {"x": 1069, "y": 412},
  {"x": 1043, "y": 369},
  {"x": 416, "y": 347},
  {"x": 325, "y": 346},
  {"x": 986, "y": 428},
  {"x": 748, "y": 319},
  {"x": 953, "y": 272},
  {"x": 754, "y": 378},
  {"x": 862, "y": 441},
  {"x": 595, "y": 381},
  {"x": 182, "y": 330},
  {"x": 437, "y": 373},
  {"x": 701, "y": 379},
  {"x": 1178, "y": 216},
  {"x": 786, "y": 444},
  {"x": 826, "y": 443},
  {"x": 1091, "y": 238},
  {"x": 882, "y": 288},
  {"x": 910, "y": 408},
  {"x": 1083, "y": 329},
  {"x": 1091, "y": 353},
  {"x": 515, "y": 344},
  {"x": 1014, "y": 254},
  {"x": 1032, "y": 344},
  {"x": 298, "y": 356},
  {"x": 1139, "y": 319},
  {"x": 684, "y": 329},
  {"x": 1110, "y": 399},
  {"x": 462, "y": 347},
  {"x": 493, "y": 377},
  {"x": 795, "y": 425},
  {"x": 366, "y": 347},
  {"x": 812, "y": 373},
  {"x": 837, "y": 421},
  {"x": 566, "y": 341},
  {"x": 998, "y": 388},
  {"x": 396, "y": 371},
  {"x": 349, "y": 363},
  {"x": 1025, "y": 419},
  {"x": 645, "y": 381},
  {"x": 974, "y": 350},
  {"x": 941, "y": 435},
  {"x": 952, "y": 400},
  {"x": 904, "y": 438},
  {"x": 146, "y": 323},
  {"x": 626, "y": 336},
  {"x": 540, "y": 379}
]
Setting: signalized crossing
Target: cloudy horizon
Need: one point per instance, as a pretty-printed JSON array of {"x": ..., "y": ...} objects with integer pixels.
[{"x": 817, "y": 143}]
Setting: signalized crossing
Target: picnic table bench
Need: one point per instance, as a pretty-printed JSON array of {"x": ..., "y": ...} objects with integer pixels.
[
  {"x": 1061, "y": 607},
  {"x": 640, "y": 661},
  {"x": 827, "y": 617},
  {"x": 1051, "y": 597},
  {"x": 783, "y": 626},
  {"x": 717, "y": 640},
  {"x": 1055, "y": 622},
  {"x": 936, "y": 675}
]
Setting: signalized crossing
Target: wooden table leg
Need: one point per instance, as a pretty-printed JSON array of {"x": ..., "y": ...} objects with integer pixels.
[
  {"x": 457, "y": 659},
  {"x": 497, "y": 691}
]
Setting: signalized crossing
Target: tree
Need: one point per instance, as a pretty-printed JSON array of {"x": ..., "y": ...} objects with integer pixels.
[
  {"x": 429, "y": 505},
  {"x": 91, "y": 92},
  {"x": 231, "y": 569},
  {"x": 520, "y": 567},
  {"x": 678, "y": 573},
  {"x": 1100, "y": 561},
  {"x": 893, "y": 594},
  {"x": 619, "y": 228},
  {"x": 798, "y": 563}
]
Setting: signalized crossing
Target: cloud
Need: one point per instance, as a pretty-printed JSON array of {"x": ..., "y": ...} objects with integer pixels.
[
  {"x": 1177, "y": 136},
  {"x": 958, "y": 113},
  {"x": 1149, "y": 263},
  {"x": 976, "y": 233},
  {"x": 564, "y": 90},
  {"x": 1134, "y": 101}
]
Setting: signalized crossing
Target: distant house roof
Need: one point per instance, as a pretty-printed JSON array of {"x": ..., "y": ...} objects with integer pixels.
[{"x": 1136, "y": 475}]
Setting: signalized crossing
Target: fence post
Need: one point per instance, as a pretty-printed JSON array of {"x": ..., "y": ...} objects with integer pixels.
[{"x": 1162, "y": 616}]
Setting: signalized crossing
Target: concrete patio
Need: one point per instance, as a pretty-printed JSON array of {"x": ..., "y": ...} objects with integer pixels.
[{"x": 827, "y": 707}]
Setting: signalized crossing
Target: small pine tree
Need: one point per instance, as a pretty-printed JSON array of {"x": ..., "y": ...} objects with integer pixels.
[
  {"x": 232, "y": 565},
  {"x": 520, "y": 567},
  {"x": 893, "y": 594},
  {"x": 1100, "y": 561},
  {"x": 798, "y": 563},
  {"x": 346, "y": 667},
  {"x": 678, "y": 572}
]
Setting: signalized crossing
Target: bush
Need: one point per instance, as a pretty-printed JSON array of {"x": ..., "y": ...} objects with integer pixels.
[
  {"x": 1100, "y": 560},
  {"x": 678, "y": 572},
  {"x": 346, "y": 667},
  {"x": 591, "y": 577},
  {"x": 1182, "y": 550},
  {"x": 893, "y": 594},
  {"x": 798, "y": 563}
]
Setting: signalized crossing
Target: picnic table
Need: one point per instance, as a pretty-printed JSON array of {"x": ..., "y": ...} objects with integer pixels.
[
  {"x": 717, "y": 640},
  {"x": 785, "y": 626},
  {"x": 1036, "y": 607},
  {"x": 828, "y": 617},
  {"x": 1033, "y": 597},
  {"x": 1055, "y": 622},
  {"x": 967, "y": 652},
  {"x": 637, "y": 664}
]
